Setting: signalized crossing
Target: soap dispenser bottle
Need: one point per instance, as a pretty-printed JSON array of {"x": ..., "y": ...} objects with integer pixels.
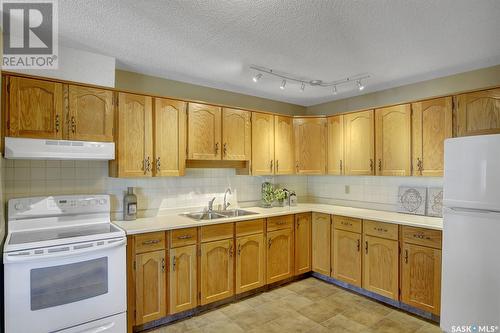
[{"x": 130, "y": 205}]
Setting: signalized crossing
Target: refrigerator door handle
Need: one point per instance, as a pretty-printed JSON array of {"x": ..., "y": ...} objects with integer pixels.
[{"x": 472, "y": 210}]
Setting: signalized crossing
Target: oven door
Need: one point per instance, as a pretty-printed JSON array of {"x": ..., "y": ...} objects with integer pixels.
[{"x": 52, "y": 289}]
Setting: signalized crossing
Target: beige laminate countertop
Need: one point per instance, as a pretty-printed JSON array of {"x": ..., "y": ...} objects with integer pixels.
[{"x": 176, "y": 221}]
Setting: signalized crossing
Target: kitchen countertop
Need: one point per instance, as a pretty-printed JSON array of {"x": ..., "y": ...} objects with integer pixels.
[{"x": 170, "y": 221}]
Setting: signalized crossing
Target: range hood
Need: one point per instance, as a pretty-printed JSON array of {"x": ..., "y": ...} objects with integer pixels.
[{"x": 43, "y": 149}]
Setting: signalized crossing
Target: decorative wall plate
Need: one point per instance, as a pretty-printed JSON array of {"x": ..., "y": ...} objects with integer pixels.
[
  {"x": 412, "y": 200},
  {"x": 435, "y": 201}
]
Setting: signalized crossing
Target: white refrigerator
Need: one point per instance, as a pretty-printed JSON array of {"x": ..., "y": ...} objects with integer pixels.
[{"x": 470, "y": 291}]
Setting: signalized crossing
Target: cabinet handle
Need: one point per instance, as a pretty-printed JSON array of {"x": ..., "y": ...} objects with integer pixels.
[
  {"x": 151, "y": 241},
  {"x": 163, "y": 265},
  {"x": 158, "y": 164},
  {"x": 277, "y": 165},
  {"x": 216, "y": 148},
  {"x": 420, "y": 165},
  {"x": 380, "y": 229},
  {"x": 57, "y": 123},
  {"x": 185, "y": 237},
  {"x": 371, "y": 164},
  {"x": 346, "y": 223},
  {"x": 297, "y": 166},
  {"x": 73, "y": 125},
  {"x": 359, "y": 245},
  {"x": 298, "y": 225},
  {"x": 173, "y": 264},
  {"x": 366, "y": 247},
  {"x": 379, "y": 164},
  {"x": 271, "y": 167},
  {"x": 406, "y": 256},
  {"x": 225, "y": 149},
  {"x": 340, "y": 165},
  {"x": 147, "y": 165},
  {"x": 230, "y": 249},
  {"x": 239, "y": 249},
  {"x": 269, "y": 242}
]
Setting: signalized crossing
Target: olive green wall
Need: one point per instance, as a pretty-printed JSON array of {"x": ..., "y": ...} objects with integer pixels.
[
  {"x": 477, "y": 79},
  {"x": 163, "y": 87}
]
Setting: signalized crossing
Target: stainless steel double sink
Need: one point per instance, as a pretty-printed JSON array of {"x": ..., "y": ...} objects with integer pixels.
[{"x": 213, "y": 215}]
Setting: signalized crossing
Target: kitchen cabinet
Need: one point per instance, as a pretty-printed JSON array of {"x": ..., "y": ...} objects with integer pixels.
[
  {"x": 35, "y": 108},
  {"x": 393, "y": 140},
  {"x": 284, "y": 145},
  {"x": 478, "y": 112},
  {"x": 217, "y": 270},
  {"x": 335, "y": 145},
  {"x": 431, "y": 125},
  {"x": 182, "y": 279},
  {"x": 250, "y": 262},
  {"x": 310, "y": 145},
  {"x": 280, "y": 248},
  {"x": 134, "y": 141},
  {"x": 236, "y": 135},
  {"x": 204, "y": 132},
  {"x": 321, "y": 243},
  {"x": 151, "y": 284},
  {"x": 359, "y": 143},
  {"x": 303, "y": 243},
  {"x": 90, "y": 114},
  {"x": 347, "y": 253},
  {"x": 169, "y": 134},
  {"x": 262, "y": 144}
]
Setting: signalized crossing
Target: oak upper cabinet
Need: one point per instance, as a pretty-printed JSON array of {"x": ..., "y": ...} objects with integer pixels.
[
  {"x": 302, "y": 243},
  {"x": 431, "y": 125},
  {"x": 204, "y": 132},
  {"x": 335, "y": 145},
  {"x": 262, "y": 144},
  {"x": 321, "y": 243},
  {"x": 169, "y": 127},
  {"x": 90, "y": 114},
  {"x": 182, "y": 279},
  {"x": 393, "y": 140},
  {"x": 478, "y": 113},
  {"x": 250, "y": 255},
  {"x": 280, "y": 248},
  {"x": 310, "y": 145},
  {"x": 359, "y": 143},
  {"x": 381, "y": 258},
  {"x": 35, "y": 108},
  {"x": 284, "y": 145},
  {"x": 134, "y": 142},
  {"x": 347, "y": 250},
  {"x": 236, "y": 135},
  {"x": 151, "y": 284}
]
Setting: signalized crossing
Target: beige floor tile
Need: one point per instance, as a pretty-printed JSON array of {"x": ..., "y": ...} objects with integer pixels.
[
  {"x": 387, "y": 325},
  {"x": 340, "y": 323},
  {"x": 295, "y": 301},
  {"x": 317, "y": 292},
  {"x": 320, "y": 312},
  {"x": 252, "y": 318},
  {"x": 235, "y": 309},
  {"x": 296, "y": 324},
  {"x": 429, "y": 328},
  {"x": 222, "y": 327}
]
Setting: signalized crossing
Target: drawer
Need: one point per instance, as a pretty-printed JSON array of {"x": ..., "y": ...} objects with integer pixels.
[
  {"x": 280, "y": 222},
  {"x": 250, "y": 227},
  {"x": 217, "y": 232},
  {"x": 421, "y": 236},
  {"x": 380, "y": 229},
  {"x": 151, "y": 241},
  {"x": 182, "y": 237},
  {"x": 347, "y": 223}
]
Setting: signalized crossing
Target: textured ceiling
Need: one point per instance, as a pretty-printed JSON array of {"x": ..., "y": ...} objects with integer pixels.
[{"x": 213, "y": 42}]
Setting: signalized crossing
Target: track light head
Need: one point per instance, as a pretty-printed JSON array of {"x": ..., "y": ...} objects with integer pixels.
[
  {"x": 302, "y": 87},
  {"x": 334, "y": 90},
  {"x": 283, "y": 84},
  {"x": 360, "y": 85},
  {"x": 257, "y": 77}
]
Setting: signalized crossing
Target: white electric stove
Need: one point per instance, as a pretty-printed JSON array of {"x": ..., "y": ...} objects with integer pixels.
[{"x": 64, "y": 266}]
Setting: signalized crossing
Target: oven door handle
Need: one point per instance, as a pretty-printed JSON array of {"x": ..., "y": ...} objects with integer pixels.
[{"x": 9, "y": 258}]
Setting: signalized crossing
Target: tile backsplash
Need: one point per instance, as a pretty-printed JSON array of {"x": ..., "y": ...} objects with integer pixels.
[{"x": 33, "y": 178}]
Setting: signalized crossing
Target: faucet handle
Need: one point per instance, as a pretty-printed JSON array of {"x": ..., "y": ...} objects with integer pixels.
[{"x": 211, "y": 203}]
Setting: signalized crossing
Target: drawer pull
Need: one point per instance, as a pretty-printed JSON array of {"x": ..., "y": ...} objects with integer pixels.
[
  {"x": 230, "y": 250},
  {"x": 359, "y": 245},
  {"x": 173, "y": 264},
  {"x": 421, "y": 236},
  {"x": 406, "y": 256},
  {"x": 380, "y": 229},
  {"x": 269, "y": 242},
  {"x": 239, "y": 249},
  {"x": 366, "y": 247},
  {"x": 151, "y": 241},
  {"x": 163, "y": 264},
  {"x": 346, "y": 223},
  {"x": 185, "y": 237}
]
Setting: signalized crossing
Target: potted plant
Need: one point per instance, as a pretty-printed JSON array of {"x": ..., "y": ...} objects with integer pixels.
[{"x": 280, "y": 196}]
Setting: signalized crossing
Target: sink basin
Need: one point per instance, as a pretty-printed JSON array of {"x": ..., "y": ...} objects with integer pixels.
[
  {"x": 204, "y": 216},
  {"x": 236, "y": 212}
]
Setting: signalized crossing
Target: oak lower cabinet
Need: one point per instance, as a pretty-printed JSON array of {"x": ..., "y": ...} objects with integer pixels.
[
  {"x": 250, "y": 255},
  {"x": 310, "y": 145},
  {"x": 347, "y": 250},
  {"x": 182, "y": 279},
  {"x": 280, "y": 248},
  {"x": 359, "y": 143},
  {"x": 321, "y": 243},
  {"x": 478, "y": 113},
  {"x": 302, "y": 243},
  {"x": 421, "y": 269}
]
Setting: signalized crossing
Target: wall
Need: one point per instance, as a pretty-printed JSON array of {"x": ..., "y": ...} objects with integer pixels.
[
  {"x": 477, "y": 79},
  {"x": 164, "y": 87}
]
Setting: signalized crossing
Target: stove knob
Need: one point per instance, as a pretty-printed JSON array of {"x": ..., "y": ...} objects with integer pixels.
[
  {"x": 102, "y": 202},
  {"x": 19, "y": 206}
]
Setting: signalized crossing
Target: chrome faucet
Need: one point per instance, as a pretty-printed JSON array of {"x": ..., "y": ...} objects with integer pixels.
[
  {"x": 226, "y": 204},
  {"x": 211, "y": 205}
]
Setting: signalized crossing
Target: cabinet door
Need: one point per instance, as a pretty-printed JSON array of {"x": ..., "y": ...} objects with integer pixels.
[
  {"x": 321, "y": 243},
  {"x": 216, "y": 279},
  {"x": 284, "y": 145},
  {"x": 478, "y": 113},
  {"x": 359, "y": 143},
  {"x": 250, "y": 262},
  {"x": 262, "y": 144},
  {"x": 236, "y": 135},
  {"x": 182, "y": 279},
  {"x": 90, "y": 114},
  {"x": 35, "y": 109},
  {"x": 347, "y": 257},
  {"x": 421, "y": 277},
  {"x": 279, "y": 255},
  {"x": 380, "y": 266},
  {"x": 335, "y": 144},
  {"x": 393, "y": 140},
  {"x": 310, "y": 145},
  {"x": 169, "y": 137},
  {"x": 151, "y": 283},
  {"x": 431, "y": 125},
  {"x": 135, "y": 138},
  {"x": 204, "y": 132},
  {"x": 302, "y": 243}
]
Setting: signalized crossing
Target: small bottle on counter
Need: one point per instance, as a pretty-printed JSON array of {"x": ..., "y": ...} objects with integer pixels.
[{"x": 130, "y": 205}]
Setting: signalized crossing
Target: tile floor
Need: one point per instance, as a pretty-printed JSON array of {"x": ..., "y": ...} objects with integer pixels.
[{"x": 309, "y": 305}]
